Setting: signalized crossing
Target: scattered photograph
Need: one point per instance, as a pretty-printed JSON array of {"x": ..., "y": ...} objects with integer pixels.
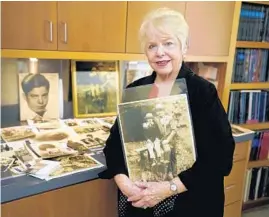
[
  {"x": 109, "y": 120},
  {"x": 42, "y": 168},
  {"x": 39, "y": 96},
  {"x": 78, "y": 146},
  {"x": 106, "y": 122},
  {"x": 6, "y": 148},
  {"x": 6, "y": 163},
  {"x": 85, "y": 129},
  {"x": 70, "y": 122},
  {"x": 62, "y": 134},
  {"x": 47, "y": 150},
  {"x": 72, "y": 164},
  {"x": 48, "y": 124},
  {"x": 163, "y": 145},
  {"x": 17, "y": 170},
  {"x": 91, "y": 143},
  {"x": 24, "y": 157},
  {"x": 10, "y": 134}
]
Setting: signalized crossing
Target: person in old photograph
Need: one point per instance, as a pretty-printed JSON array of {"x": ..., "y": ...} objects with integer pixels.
[
  {"x": 36, "y": 93},
  {"x": 39, "y": 96},
  {"x": 152, "y": 144},
  {"x": 196, "y": 191}
]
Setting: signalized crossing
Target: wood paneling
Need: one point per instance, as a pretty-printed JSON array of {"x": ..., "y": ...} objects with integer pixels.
[
  {"x": 29, "y": 25},
  {"x": 96, "y": 198},
  {"x": 210, "y": 27},
  {"x": 136, "y": 13},
  {"x": 92, "y": 26},
  {"x": 233, "y": 210}
]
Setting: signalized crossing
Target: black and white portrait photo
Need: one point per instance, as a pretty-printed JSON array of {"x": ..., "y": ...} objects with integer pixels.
[
  {"x": 157, "y": 137},
  {"x": 39, "y": 96}
]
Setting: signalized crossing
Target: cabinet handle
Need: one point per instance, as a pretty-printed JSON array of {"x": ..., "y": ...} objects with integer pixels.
[
  {"x": 65, "y": 32},
  {"x": 229, "y": 187},
  {"x": 51, "y": 31}
]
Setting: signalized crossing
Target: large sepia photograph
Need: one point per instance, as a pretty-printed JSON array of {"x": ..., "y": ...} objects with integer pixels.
[
  {"x": 95, "y": 88},
  {"x": 39, "y": 96},
  {"x": 157, "y": 137}
]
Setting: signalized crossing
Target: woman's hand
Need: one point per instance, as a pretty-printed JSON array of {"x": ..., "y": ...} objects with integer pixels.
[
  {"x": 152, "y": 194},
  {"x": 127, "y": 187}
]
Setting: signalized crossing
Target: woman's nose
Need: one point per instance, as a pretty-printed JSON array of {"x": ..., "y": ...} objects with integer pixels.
[{"x": 160, "y": 51}]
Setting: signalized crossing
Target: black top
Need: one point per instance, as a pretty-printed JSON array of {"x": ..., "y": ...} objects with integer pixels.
[{"x": 214, "y": 144}]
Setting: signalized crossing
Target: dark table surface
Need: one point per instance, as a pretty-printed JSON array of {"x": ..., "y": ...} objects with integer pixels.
[{"x": 24, "y": 186}]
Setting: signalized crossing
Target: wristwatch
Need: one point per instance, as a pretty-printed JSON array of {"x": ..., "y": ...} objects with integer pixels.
[{"x": 173, "y": 187}]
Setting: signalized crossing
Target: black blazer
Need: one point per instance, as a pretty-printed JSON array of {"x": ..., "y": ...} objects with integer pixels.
[{"x": 214, "y": 145}]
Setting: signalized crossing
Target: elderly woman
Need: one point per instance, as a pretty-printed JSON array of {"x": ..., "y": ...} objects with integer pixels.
[{"x": 198, "y": 191}]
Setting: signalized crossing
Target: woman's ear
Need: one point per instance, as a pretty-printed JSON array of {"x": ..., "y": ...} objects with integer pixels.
[{"x": 185, "y": 48}]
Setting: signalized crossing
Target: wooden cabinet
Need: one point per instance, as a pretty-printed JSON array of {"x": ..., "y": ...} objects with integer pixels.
[
  {"x": 109, "y": 27},
  {"x": 234, "y": 183},
  {"x": 210, "y": 27},
  {"x": 136, "y": 13},
  {"x": 97, "y": 198},
  {"x": 68, "y": 26},
  {"x": 92, "y": 26},
  {"x": 29, "y": 25},
  {"x": 233, "y": 210}
]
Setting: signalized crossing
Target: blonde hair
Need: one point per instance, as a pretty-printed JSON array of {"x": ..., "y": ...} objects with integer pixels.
[{"x": 165, "y": 20}]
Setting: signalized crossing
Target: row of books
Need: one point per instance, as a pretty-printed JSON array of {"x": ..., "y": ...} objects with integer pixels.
[
  {"x": 248, "y": 106},
  {"x": 256, "y": 184},
  {"x": 251, "y": 65},
  {"x": 253, "y": 23},
  {"x": 260, "y": 146}
]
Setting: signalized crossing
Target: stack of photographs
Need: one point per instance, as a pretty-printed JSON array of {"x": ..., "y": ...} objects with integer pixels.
[{"x": 52, "y": 148}]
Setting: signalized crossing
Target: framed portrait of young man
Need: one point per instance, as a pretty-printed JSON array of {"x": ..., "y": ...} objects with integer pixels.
[
  {"x": 95, "y": 88},
  {"x": 39, "y": 96}
]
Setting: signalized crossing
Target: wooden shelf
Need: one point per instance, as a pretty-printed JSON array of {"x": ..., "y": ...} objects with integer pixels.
[
  {"x": 252, "y": 44},
  {"x": 257, "y": 2},
  {"x": 250, "y": 86},
  {"x": 255, "y": 203},
  {"x": 257, "y": 126},
  {"x": 41, "y": 54},
  {"x": 258, "y": 163}
]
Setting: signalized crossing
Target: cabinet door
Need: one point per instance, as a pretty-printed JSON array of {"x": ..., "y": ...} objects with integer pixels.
[
  {"x": 92, "y": 26},
  {"x": 29, "y": 25},
  {"x": 136, "y": 13},
  {"x": 210, "y": 27}
]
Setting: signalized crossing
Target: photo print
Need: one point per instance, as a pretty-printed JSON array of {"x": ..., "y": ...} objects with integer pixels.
[
  {"x": 39, "y": 96},
  {"x": 157, "y": 137}
]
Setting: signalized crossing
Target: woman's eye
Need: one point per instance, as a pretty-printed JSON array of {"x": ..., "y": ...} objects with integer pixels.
[
  {"x": 151, "y": 46},
  {"x": 169, "y": 43}
]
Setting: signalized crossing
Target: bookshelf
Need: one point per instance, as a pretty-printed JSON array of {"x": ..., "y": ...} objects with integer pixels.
[
  {"x": 240, "y": 43},
  {"x": 250, "y": 86},
  {"x": 256, "y": 126},
  {"x": 258, "y": 163},
  {"x": 258, "y": 2},
  {"x": 255, "y": 203},
  {"x": 252, "y": 44}
]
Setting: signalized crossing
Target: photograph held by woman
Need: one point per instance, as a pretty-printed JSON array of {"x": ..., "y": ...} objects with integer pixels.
[{"x": 199, "y": 190}]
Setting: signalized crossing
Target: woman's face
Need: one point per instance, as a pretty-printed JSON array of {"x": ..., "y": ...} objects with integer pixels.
[{"x": 163, "y": 52}]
